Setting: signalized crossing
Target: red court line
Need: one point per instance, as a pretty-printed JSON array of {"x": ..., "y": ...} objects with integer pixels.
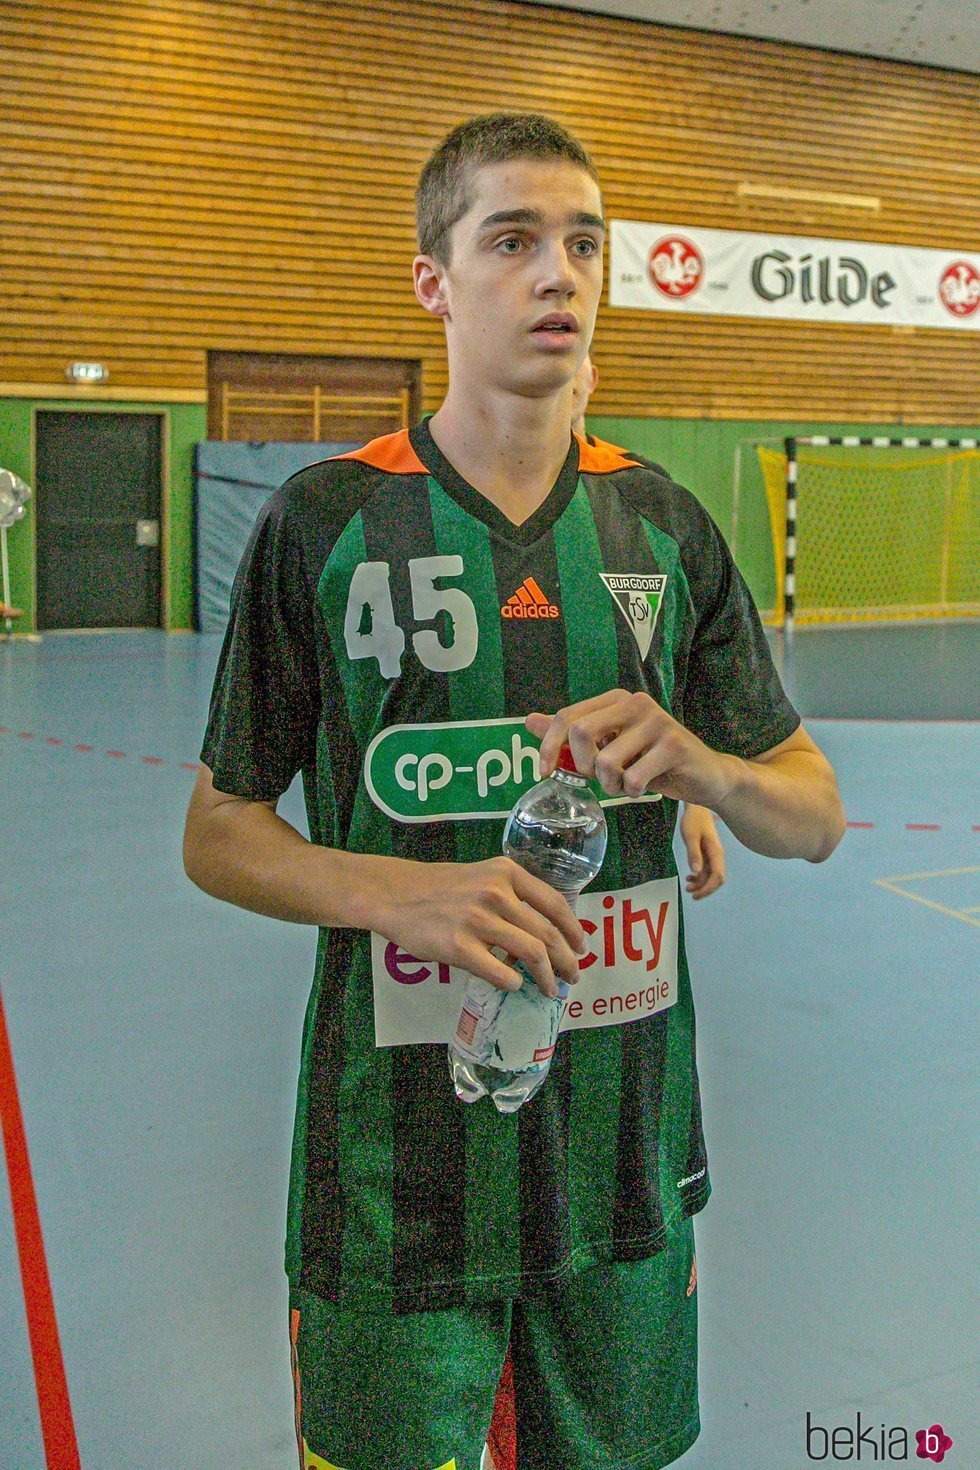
[
  {"x": 860, "y": 824},
  {"x": 54, "y": 1405},
  {"x": 922, "y": 826},
  {"x": 147, "y": 760}
]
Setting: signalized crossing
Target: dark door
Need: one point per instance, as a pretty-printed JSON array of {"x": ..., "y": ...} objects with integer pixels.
[{"x": 97, "y": 498}]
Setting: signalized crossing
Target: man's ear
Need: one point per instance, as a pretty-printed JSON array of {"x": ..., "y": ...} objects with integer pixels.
[
  {"x": 595, "y": 380},
  {"x": 429, "y": 278}
]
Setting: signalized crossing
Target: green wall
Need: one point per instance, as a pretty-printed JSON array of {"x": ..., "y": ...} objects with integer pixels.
[
  {"x": 700, "y": 453},
  {"x": 187, "y": 426}
]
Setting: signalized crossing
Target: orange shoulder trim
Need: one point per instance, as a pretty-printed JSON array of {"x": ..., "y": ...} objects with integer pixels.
[
  {"x": 601, "y": 458},
  {"x": 392, "y": 453}
]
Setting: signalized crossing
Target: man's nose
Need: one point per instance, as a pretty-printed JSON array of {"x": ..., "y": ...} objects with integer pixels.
[{"x": 556, "y": 272}]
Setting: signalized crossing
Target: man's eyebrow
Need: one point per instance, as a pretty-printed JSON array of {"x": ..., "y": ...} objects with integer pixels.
[{"x": 535, "y": 217}]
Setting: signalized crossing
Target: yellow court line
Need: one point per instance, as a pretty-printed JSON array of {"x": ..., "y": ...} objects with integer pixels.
[
  {"x": 940, "y": 873},
  {"x": 953, "y": 913}
]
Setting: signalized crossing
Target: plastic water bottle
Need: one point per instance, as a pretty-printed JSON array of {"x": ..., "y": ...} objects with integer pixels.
[{"x": 505, "y": 1039}]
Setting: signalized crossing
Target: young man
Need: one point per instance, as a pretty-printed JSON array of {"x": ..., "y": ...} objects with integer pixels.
[
  {"x": 705, "y": 852},
  {"x": 380, "y": 641}
]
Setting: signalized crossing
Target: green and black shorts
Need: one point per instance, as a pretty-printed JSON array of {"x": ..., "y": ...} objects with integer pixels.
[{"x": 598, "y": 1372}]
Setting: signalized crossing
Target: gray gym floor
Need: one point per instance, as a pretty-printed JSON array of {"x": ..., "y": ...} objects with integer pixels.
[{"x": 155, "y": 1037}]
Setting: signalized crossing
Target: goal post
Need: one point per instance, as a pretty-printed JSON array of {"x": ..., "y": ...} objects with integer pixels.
[{"x": 865, "y": 529}]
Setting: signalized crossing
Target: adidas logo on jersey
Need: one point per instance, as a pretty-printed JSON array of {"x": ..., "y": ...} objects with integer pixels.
[{"x": 529, "y": 602}]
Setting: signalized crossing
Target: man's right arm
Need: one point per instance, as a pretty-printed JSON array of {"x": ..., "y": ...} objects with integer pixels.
[{"x": 242, "y": 851}]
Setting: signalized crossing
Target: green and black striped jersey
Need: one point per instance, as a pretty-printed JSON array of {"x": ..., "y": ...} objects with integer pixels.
[{"x": 390, "y": 630}]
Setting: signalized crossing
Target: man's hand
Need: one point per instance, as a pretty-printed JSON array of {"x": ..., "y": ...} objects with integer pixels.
[
  {"x": 245, "y": 853},
  {"x": 783, "y": 802},
  {"x": 705, "y": 853},
  {"x": 459, "y": 912},
  {"x": 632, "y": 746}
]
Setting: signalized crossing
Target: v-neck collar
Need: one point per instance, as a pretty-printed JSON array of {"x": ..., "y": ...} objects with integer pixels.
[{"x": 477, "y": 505}]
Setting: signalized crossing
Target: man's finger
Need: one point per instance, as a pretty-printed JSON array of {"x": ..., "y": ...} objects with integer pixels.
[
  {"x": 549, "y": 902},
  {"x": 555, "y": 734},
  {"x": 562, "y": 957},
  {"x": 617, "y": 757},
  {"x": 538, "y": 723},
  {"x": 715, "y": 854},
  {"x": 492, "y": 965},
  {"x": 519, "y": 944}
]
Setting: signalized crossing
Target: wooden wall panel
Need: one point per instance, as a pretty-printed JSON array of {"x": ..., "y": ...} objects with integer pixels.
[{"x": 185, "y": 175}]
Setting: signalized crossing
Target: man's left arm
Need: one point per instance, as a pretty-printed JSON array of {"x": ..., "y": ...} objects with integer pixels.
[{"x": 782, "y": 803}]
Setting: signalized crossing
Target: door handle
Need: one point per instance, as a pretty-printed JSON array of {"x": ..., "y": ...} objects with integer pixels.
[{"x": 147, "y": 533}]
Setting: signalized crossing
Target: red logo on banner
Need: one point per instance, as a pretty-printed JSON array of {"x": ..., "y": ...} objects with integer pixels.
[
  {"x": 959, "y": 288},
  {"x": 675, "y": 266}
]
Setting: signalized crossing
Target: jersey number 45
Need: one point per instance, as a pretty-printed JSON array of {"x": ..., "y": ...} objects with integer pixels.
[{"x": 370, "y": 630}]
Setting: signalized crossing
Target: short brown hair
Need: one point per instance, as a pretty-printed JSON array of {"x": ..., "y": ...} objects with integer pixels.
[{"x": 443, "y": 193}]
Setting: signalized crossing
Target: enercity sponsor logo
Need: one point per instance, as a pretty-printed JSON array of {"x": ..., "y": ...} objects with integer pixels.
[
  {"x": 846, "y": 1443},
  {"x": 529, "y": 602},
  {"x": 638, "y": 597},
  {"x": 629, "y": 972},
  {"x": 631, "y": 934},
  {"x": 451, "y": 771}
]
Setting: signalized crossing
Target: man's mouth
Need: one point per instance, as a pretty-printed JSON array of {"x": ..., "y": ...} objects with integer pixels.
[{"x": 560, "y": 324}]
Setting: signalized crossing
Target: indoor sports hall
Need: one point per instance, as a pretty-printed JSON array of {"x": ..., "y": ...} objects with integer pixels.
[{"x": 207, "y": 268}]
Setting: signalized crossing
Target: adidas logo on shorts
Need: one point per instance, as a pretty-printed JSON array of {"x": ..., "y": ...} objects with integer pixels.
[{"x": 529, "y": 602}]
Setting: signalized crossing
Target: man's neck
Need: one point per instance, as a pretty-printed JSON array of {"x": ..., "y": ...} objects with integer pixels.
[{"x": 510, "y": 449}]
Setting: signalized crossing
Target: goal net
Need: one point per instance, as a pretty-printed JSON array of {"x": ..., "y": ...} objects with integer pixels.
[{"x": 874, "y": 529}]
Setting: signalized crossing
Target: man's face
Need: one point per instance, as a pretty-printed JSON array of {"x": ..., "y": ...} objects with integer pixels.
[{"x": 521, "y": 292}]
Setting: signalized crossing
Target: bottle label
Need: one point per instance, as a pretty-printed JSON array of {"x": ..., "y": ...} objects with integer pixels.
[
  {"x": 628, "y": 973},
  {"x": 512, "y": 1030},
  {"x": 473, "y": 1037},
  {"x": 466, "y": 1027}
]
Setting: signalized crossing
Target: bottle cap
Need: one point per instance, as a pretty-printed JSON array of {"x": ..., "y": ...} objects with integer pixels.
[{"x": 566, "y": 761}]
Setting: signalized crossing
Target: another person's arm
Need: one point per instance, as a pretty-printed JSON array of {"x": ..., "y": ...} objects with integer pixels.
[{"x": 705, "y": 853}]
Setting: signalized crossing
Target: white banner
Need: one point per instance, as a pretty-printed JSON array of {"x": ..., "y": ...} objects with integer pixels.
[
  {"x": 661, "y": 267},
  {"x": 629, "y": 972}
]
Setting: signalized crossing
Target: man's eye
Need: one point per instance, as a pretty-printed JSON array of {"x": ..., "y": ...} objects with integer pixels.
[
  {"x": 510, "y": 245},
  {"x": 586, "y": 247}
]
